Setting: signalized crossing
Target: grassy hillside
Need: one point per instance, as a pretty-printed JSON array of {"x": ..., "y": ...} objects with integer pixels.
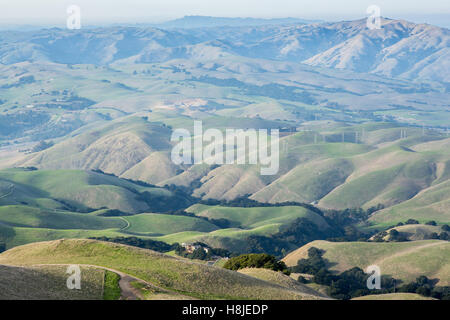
[
  {"x": 402, "y": 260},
  {"x": 257, "y": 216},
  {"x": 233, "y": 239},
  {"x": 48, "y": 283},
  {"x": 16, "y": 236},
  {"x": 79, "y": 189},
  {"x": 25, "y": 225},
  {"x": 430, "y": 204},
  {"x": 161, "y": 224},
  {"x": 336, "y": 165},
  {"x": 170, "y": 273},
  {"x": 113, "y": 148},
  {"x": 38, "y": 205},
  {"x": 23, "y": 216},
  {"x": 155, "y": 168},
  {"x": 386, "y": 182},
  {"x": 413, "y": 232},
  {"x": 277, "y": 278},
  {"x": 244, "y": 222},
  {"x": 394, "y": 296},
  {"x": 307, "y": 183},
  {"x": 373, "y": 167}
]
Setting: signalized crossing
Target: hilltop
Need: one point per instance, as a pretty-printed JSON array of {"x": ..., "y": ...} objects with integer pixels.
[
  {"x": 401, "y": 260},
  {"x": 173, "y": 274},
  {"x": 394, "y": 296},
  {"x": 277, "y": 278},
  {"x": 413, "y": 232},
  {"x": 78, "y": 190},
  {"x": 48, "y": 283}
]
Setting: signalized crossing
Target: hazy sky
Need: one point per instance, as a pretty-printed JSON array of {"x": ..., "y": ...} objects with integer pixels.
[{"x": 106, "y": 11}]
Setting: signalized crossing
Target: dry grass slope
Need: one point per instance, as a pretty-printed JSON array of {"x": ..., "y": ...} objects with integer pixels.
[
  {"x": 277, "y": 278},
  {"x": 402, "y": 260},
  {"x": 394, "y": 296},
  {"x": 189, "y": 278},
  {"x": 48, "y": 283}
]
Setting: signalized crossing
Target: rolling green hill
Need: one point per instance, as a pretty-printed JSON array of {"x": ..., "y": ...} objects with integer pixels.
[
  {"x": 24, "y": 216},
  {"x": 277, "y": 278},
  {"x": 413, "y": 232},
  {"x": 257, "y": 216},
  {"x": 173, "y": 274},
  {"x": 17, "y": 236},
  {"x": 113, "y": 148},
  {"x": 86, "y": 121},
  {"x": 244, "y": 222},
  {"x": 394, "y": 296},
  {"x": 401, "y": 260},
  {"x": 430, "y": 204},
  {"x": 335, "y": 165},
  {"x": 161, "y": 224},
  {"x": 48, "y": 283},
  {"x": 75, "y": 188}
]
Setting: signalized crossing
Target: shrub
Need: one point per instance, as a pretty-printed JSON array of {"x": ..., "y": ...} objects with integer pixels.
[
  {"x": 42, "y": 146},
  {"x": 111, "y": 290},
  {"x": 140, "y": 243},
  {"x": 254, "y": 260},
  {"x": 444, "y": 236}
]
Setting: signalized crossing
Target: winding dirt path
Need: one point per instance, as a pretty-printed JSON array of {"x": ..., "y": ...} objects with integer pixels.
[
  {"x": 128, "y": 292},
  {"x": 11, "y": 190},
  {"x": 127, "y": 224}
]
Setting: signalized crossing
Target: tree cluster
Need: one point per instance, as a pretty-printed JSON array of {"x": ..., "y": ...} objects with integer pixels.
[
  {"x": 254, "y": 260},
  {"x": 140, "y": 243},
  {"x": 353, "y": 282}
]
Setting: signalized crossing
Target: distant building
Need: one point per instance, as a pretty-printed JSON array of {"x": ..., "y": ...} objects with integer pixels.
[{"x": 192, "y": 247}]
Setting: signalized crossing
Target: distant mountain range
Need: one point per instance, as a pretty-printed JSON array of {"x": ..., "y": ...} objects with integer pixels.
[
  {"x": 188, "y": 22},
  {"x": 398, "y": 49}
]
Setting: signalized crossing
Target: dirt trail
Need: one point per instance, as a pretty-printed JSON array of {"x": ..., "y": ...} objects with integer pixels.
[
  {"x": 406, "y": 251},
  {"x": 127, "y": 224},
  {"x": 11, "y": 190},
  {"x": 128, "y": 292}
]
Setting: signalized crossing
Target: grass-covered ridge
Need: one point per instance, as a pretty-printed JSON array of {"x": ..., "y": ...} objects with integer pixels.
[
  {"x": 336, "y": 165},
  {"x": 401, "y": 260},
  {"x": 74, "y": 189},
  {"x": 394, "y": 296},
  {"x": 48, "y": 282},
  {"x": 178, "y": 275},
  {"x": 162, "y": 224},
  {"x": 257, "y": 216},
  {"x": 24, "y": 216}
]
